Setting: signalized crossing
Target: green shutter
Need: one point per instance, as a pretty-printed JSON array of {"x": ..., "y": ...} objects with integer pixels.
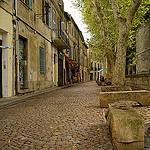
[
  {"x": 31, "y": 4},
  {"x": 42, "y": 62},
  {"x": 49, "y": 16}
]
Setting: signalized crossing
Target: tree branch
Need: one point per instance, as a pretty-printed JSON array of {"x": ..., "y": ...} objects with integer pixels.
[
  {"x": 116, "y": 12},
  {"x": 132, "y": 10},
  {"x": 98, "y": 12}
]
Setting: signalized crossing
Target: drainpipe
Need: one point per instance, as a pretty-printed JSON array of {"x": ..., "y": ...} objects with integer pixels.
[{"x": 16, "y": 40}]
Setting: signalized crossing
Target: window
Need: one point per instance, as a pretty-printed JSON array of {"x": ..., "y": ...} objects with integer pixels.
[
  {"x": 75, "y": 33},
  {"x": 48, "y": 22},
  {"x": 72, "y": 31},
  {"x": 46, "y": 13},
  {"x": 69, "y": 27},
  {"x": 42, "y": 60},
  {"x": 54, "y": 23},
  {"x": 29, "y": 3}
]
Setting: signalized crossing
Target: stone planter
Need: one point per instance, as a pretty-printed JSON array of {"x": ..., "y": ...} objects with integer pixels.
[{"x": 140, "y": 96}]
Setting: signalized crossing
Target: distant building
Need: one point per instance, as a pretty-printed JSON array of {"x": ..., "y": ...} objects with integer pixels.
[{"x": 95, "y": 68}]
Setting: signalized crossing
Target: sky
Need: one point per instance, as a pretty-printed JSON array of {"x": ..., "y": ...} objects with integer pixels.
[{"x": 68, "y": 7}]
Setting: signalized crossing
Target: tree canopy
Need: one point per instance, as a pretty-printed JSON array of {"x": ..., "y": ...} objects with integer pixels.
[{"x": 113, "y": 22}]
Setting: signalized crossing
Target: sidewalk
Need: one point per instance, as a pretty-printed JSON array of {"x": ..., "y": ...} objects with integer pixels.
[{"x": 9, "y": 101}]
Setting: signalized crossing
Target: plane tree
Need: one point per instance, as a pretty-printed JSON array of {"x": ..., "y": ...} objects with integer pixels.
[{"x": 112, "y": 24}]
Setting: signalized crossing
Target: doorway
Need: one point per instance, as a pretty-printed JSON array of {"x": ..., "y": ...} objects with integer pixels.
[
  {"x": 23, "y": 79},
  {"x": 55, "y": 71},
  {"x": 60, "y": 69},
  {"x": 60, "y": 72}
]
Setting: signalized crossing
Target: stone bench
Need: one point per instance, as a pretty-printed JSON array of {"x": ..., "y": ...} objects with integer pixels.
[
  {"x": 140, "y": 96},
  {"x": 126, "y": 127}
]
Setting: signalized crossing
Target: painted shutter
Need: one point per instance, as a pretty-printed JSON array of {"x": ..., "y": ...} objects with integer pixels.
[
  {"x": 42, "y": 62},
  {"x": 49, "y": 16},
  {"x": 31, "y": 4}
]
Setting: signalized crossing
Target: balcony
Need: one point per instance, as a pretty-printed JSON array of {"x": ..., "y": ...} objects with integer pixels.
[{"x": 60, "y": 40}]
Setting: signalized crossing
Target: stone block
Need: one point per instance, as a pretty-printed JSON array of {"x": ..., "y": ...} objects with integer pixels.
[
  {"x": 140, "y": 96},
  {"x": 100, "y": 83},
  {"x": 115, "y": 88},
  {"x": 126, "y": 127}
]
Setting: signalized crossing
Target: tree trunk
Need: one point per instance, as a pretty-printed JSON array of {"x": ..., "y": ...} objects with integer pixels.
[
  {"x": 124, "y": 25},
  {"x": 110, "y": 65},
  {"x": 120, "y": 64}
]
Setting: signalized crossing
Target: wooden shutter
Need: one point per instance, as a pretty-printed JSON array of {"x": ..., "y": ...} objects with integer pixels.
[{"x": 42, "y": 60}]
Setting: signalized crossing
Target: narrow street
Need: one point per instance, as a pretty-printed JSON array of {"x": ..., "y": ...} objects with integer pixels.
[{"x": 63, "y": 119}]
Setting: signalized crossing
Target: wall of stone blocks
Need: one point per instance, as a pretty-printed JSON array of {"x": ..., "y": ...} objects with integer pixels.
[
  {"x": 138, "y": 81},
  {"x": 143, "y": 49}
]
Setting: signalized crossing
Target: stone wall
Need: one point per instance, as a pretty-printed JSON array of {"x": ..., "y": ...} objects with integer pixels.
[
  {"x": 138, "y": 81},
  {"x": 143, "y": 49}
]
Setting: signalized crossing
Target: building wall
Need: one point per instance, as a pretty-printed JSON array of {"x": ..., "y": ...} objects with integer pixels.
[
  {"x": 6, "y": 34},
  {"x": 32, "y": 33},
  {"x": 139, "y": 81},
  {"x": 143, "y": 49},
  {"x": 37, "y": 34}
]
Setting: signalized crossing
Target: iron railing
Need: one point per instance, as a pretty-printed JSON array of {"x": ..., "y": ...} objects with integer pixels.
[{"x": 61, "y": 35}]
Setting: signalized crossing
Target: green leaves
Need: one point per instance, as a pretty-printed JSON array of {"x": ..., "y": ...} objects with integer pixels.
[{"x": 99, "y": 18}]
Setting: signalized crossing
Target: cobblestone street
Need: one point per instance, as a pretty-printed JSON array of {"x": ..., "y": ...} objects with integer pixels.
[{"x": 63, "y": 119}]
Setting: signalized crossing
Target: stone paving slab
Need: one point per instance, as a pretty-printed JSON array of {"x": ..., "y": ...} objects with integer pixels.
[{"x": 63, "y": 119}]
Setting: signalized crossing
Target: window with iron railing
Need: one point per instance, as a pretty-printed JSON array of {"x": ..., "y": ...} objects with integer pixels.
[{"x": 46, "y": 13}]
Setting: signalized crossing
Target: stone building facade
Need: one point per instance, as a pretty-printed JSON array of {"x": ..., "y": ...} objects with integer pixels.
[
  {"x": 143, "y": 49},
  {"x": 35, "y": 40}
]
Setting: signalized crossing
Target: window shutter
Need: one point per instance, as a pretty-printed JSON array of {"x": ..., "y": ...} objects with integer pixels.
[
  {"x": 54, "y": 23},
  {"x": 42, "y": 62},
  {"x": 44, "y": 12},
  {"x": 31, "y": 4},
  {"x": 49, "y": 16},
  {"x": 59, "y": 25}
]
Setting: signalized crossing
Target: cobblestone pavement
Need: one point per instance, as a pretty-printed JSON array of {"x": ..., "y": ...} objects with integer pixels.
[{"x": 62, "y": 119}]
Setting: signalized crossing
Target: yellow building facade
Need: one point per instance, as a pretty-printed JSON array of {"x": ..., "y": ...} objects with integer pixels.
[{"x": 39, "y": 46}]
